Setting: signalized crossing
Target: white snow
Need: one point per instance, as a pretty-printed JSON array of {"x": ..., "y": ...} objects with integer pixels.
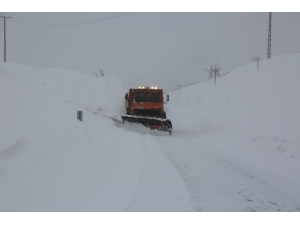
[{"x": 235, "y": 144}]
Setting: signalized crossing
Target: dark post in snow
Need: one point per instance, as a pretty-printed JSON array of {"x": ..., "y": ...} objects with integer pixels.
[
  {"x": 216, "y": 72},
  {"x": 256, "y": 58},
  {"x": 79, "y": 115},
  {"x": 4, "y": 19},
  {"x": 269, "y": 36}
]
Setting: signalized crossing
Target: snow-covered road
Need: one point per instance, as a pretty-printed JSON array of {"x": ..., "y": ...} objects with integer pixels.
[
  {"x": 218, "y": 182},
  {"x": 159, "y": 188},
  {"x": 217, "y": 174}
]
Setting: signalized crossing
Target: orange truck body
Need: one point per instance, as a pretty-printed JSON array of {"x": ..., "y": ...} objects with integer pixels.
[
  {"x": 145, "y": 102},
  {"x": 146, "y": 106}
]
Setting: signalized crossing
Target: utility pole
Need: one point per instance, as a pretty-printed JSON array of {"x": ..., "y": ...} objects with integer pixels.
[
  {"x": 4, "y": 19},
  {"x": 210, "y": 73},
  {"x": 216, "y": 72},
  {"x": 269, "y": 36}
]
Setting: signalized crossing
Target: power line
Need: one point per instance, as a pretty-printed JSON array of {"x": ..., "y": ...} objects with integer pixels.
[{"x": 69, "y": 25}]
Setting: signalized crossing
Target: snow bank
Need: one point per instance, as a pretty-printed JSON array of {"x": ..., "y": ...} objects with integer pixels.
[
  {"x": 50, "y": 161},
  {"x": 262, "y": 105},
  {"x": 248, "y": 125}
]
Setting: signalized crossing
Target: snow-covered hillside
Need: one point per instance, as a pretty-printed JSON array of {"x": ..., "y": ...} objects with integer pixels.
[{"x": 235, "y": 144}]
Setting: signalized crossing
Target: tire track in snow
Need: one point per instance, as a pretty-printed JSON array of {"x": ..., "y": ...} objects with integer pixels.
[
  {"x": 258, "y": 186},
  {"x": 13, "y": 150},
  {"x": 217, "y": 184},
  {"x": 159, "y": 188}
]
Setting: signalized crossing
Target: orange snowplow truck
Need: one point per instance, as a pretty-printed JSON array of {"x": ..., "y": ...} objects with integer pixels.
[{"x": 145, "y": 105}]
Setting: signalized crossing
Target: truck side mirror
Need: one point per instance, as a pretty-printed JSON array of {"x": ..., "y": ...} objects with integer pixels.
[
  {"x": 167, "y": 98},
  {"x": 126, "y": 96}
]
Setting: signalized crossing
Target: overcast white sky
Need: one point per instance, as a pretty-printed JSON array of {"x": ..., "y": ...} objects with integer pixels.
[{"x": 150, "y": 48}]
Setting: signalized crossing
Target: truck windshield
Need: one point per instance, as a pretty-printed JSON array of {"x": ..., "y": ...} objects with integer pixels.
[{"x": 139, "y": 96}]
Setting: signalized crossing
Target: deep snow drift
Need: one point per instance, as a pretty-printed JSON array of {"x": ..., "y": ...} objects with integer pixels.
[{"x": 235, "y": 144}]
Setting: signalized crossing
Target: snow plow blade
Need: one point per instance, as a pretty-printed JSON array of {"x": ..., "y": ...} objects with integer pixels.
[{"x": 152, "y": 123}]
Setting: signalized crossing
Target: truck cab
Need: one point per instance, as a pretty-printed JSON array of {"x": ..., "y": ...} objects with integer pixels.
[{"x": 147, "y": 102}]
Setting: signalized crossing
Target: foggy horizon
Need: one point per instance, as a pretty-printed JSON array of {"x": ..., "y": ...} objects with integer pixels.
[{"x": 161, "y": 49}]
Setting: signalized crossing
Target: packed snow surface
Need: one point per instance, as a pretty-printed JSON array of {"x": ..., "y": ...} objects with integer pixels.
[{"x": 235, "y": 144}]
